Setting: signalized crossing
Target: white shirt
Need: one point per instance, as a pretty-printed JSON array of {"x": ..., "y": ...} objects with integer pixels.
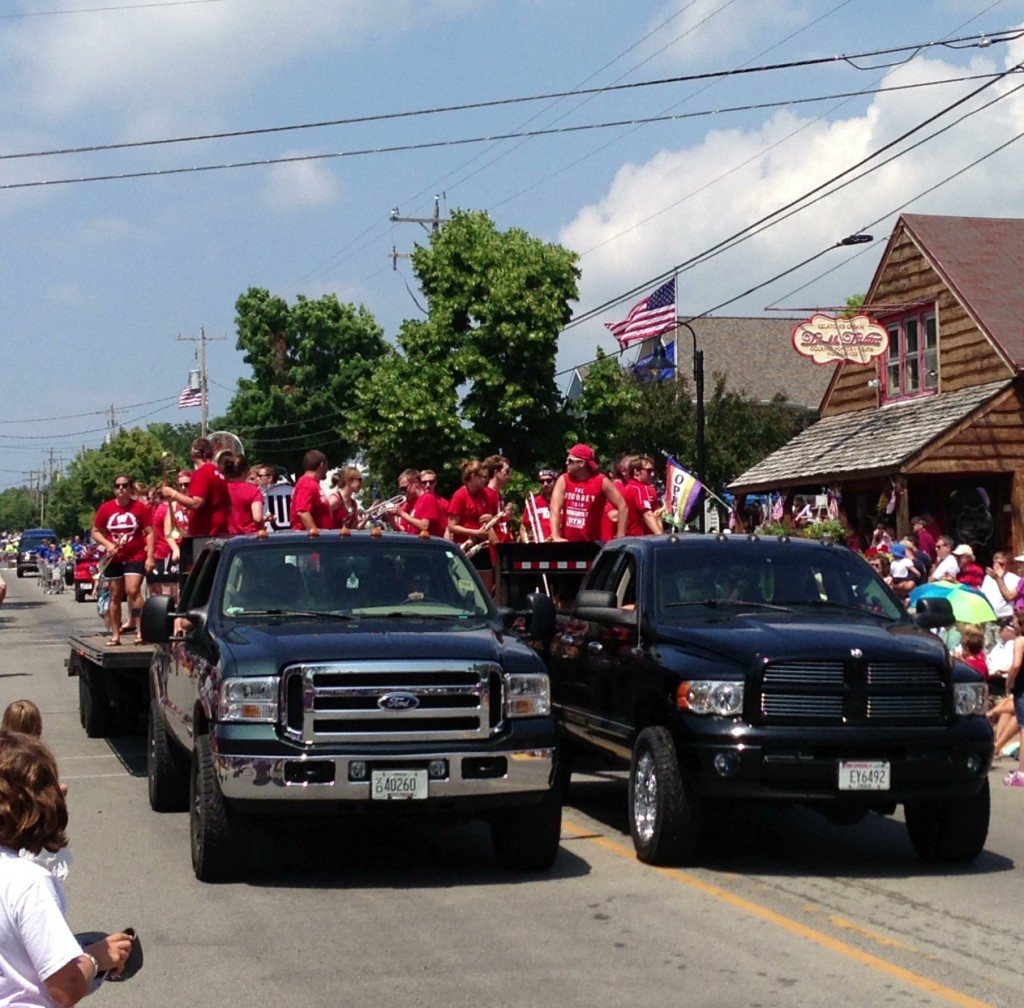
[
  {"x": 900, "y": 569},
  {"x": 949, "y": 566},
  {"x": 990, "y": 589},
  {"x": 35, "y": 940},
  {"x": 1000, "y": 657}
]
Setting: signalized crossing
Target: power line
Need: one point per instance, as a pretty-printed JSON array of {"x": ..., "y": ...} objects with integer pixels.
[
  {"x": 74, "y": 416},
  {"x": 983, "y": 41},
  {"x": 463, "y": 141},
  {"x": 95, "y": 10}
]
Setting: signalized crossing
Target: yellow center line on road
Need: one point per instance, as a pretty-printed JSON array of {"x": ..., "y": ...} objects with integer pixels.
[{"x": 874, "y": 962}]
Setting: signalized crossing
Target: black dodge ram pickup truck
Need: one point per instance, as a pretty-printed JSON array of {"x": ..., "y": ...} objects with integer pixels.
[
  {"x": 725, "y": 668},
  {"x": 347, "y": 673}
]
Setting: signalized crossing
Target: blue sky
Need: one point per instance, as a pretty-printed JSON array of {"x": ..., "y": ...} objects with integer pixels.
[{"x": 99, "y": 278}]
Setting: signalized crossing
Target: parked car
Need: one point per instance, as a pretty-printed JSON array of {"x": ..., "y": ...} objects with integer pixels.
[
  {"x": 31, "y": 541},
  {"x": 85, "y": 573}
]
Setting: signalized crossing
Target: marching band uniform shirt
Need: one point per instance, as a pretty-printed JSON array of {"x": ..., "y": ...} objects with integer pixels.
[
  {"x": 212, "y": 518},
  {"x": 128, "y": 523},
  {"x": 161, "y": 547},
  {"x": 465, "y": 508},
  {"x": 542, "y": 508},
  {"x": 608, "y": 524},
  {"x": 243, "y": 495},
  {"x": 583, "y": 509},
  {"x": 308, "y": 496},
  {"x": 639, "y": 498},
  {"x": 427, "y": 506}
]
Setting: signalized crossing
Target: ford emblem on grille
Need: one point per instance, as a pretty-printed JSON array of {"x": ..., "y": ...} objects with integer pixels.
[
  {"x": 855, "y": 652},
  {"x": 398, "y": 701}
]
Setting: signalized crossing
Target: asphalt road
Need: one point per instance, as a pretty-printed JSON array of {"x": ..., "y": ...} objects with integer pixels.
[{"x": 791, "y": 911}]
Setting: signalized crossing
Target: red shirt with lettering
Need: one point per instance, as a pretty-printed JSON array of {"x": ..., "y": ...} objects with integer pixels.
[
  {"x": 308, "y": 496},
  {"x": 583, "y": 509},
  {"x": 211, "y": 519},
  {"x": 126, "y": 526},
  {"x": 639, "y": 498}
]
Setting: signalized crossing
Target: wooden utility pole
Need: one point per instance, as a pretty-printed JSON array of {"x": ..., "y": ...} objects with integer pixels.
[
  {"x": 434, "y": 221},
  {"x": 204, "y": 389}
]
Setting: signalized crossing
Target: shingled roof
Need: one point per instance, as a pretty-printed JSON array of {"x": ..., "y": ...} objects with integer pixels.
[
  {"x": 865, "y": 441},
  {"x": 981, "y": 260}
]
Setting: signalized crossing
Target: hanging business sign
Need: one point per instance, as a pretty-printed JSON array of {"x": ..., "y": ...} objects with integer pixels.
[{"x": 827, "y": 339}]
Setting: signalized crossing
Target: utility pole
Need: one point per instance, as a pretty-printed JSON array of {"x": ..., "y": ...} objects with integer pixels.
[
  {"x": 204, "y": 390},
  {"x": 435, "y": 221}
]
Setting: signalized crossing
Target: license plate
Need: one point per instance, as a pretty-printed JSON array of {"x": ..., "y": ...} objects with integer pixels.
[
  {"x": 863, "y": 775},
  {"x": 392, "y": 785}
]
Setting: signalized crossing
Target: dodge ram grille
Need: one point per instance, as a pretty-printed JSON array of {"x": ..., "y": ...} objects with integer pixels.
[
  {"x": 403, "y": 701},
  {"x": 810, "y": 692}
]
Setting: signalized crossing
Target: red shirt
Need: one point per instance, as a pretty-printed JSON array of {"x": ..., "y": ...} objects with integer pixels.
[
  {"x": 542, "y": 509},
  {"x": 243, "y": 495},
  {"x": 639, "y": 498},
  {"x": 582, "y": 510},
  {"x": 211, "y": 519},
  {"x": 126, "y": 526},
  {"x": 161, "y": 547},
  {"x": 308, "y": 496},
  {"x": 608, "y": 526},
  {"x": 971, "y": 574},
  {"x": 466, "y": 509},
  {"x": 427, "y": 506},
  {"x": 501, "y": 529}
]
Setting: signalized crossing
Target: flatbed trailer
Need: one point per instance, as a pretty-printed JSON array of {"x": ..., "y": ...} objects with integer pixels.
[{"x": 113, "y": 684}]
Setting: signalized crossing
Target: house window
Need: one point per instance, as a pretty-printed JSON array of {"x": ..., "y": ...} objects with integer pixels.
[{"x": 912, "y": 364}]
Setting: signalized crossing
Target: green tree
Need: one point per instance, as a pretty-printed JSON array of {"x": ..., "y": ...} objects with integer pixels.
[
  {"x": 306, "y": 361},
  {"x": 18, "y": 509}
]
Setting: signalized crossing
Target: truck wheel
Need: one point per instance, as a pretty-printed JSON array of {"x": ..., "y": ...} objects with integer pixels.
[
  {"x": 218, "y": 847},
  {"x": 79, "y": 594},
  {"x": 93, "y": 703},
  {"x": 168, "y": 778},
  {"x": 526, "y": 839},
  {"x": 949, "y": 829},
  {"x": 664, "y": 820}
]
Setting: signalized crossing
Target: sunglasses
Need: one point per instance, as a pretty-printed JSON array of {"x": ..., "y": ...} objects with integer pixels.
[
  {"x": 428, "y": 482},
  {"x": 121, "y": 486}
]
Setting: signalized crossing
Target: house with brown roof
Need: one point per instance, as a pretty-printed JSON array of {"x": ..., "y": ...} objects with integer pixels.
[{"x": 936, "y": 424}]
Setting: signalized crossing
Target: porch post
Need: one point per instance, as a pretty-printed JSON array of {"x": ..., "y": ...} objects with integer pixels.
[{"x": 1017, "y": 512}]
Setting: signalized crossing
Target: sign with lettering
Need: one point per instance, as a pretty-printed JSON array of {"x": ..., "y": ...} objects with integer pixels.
[{"x": 826, "y": 339}]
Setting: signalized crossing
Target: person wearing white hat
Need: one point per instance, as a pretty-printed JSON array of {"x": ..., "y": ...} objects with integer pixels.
[{"x": 970, "y": 573}]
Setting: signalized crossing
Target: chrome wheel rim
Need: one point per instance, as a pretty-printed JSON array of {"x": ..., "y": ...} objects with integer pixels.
[{"x": 645, "y": 797}]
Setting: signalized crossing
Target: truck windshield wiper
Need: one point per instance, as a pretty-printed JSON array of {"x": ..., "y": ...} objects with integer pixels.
[
  {"x": 407, "y": 614},
  {"x": 713, "y": 603},
  {"x": 301, "y": 613},
  {"x": 833, "y": 604}
]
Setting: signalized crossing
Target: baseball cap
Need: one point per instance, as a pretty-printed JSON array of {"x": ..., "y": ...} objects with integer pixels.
[
  {"x": 963, "y": 550},
  {"x": 1019, "y": 559},
  {"x": 898, "y": 550}
]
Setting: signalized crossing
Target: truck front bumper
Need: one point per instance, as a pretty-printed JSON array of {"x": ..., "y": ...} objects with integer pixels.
[{"x": 311, "y": 778}]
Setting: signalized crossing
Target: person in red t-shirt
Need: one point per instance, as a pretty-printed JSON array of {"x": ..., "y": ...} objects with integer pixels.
[
  {"x": 428, "y": 480},
  {"x": 970, "y": 573},
  {"x": 619, "y": 475},
  {"x": 246, "y": 517},
  {"x": 123, "y": 526},
  {"x": 536, "y": 525},
  {"x": 468, "y": 511},
  {"x": 642, "y": 518},
  {"x": 578, "y": 499},
  {"x": 420, "y": 512},
  {"x": 310, "y": 508},
  {"x": 208, "y": 500}
]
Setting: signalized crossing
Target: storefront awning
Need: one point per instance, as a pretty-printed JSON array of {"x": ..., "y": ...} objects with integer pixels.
[{"x": 864, "y": 442}]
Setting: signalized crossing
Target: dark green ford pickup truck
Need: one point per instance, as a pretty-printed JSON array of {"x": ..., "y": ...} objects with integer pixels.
[{"x": 360, "y": 673}]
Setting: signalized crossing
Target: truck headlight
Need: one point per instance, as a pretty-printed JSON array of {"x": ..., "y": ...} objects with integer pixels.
[
  {"x": 710, "y": 696},
  {"x": 527, "y": 694},
  {"x": 970, "y": 697},
  {"x": 252, "y": 699}
]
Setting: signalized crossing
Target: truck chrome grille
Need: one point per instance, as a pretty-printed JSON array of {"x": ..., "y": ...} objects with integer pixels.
[
  {"x": 429, "y": 701},
  {"x": 810, "y": 692}
]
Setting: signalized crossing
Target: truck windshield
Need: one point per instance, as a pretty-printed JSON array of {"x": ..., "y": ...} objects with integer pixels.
[
  {"x": 352, "y": 577},
  {"x": 767, "y": 574}
]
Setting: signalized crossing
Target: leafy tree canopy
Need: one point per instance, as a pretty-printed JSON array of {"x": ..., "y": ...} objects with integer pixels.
[
  {"x": 306, "y": 361},
  {"x": 18, "y": 509}
]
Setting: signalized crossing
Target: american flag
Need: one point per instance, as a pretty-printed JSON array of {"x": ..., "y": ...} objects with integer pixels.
[
  {"x": 190, "y": 397},
  {"x": 652, "y": 316}
]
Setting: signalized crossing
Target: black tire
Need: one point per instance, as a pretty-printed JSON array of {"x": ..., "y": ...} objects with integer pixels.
[
  {"x": 80, "y": 594},
  {"x": 21, "y": 573},
  {"x": 665, "y": 819},
  {"x": 219, "y": 850},
  {"x": 949, "y": 829},
  {"x": 93, "y": 702},
  {"x": 527, "y": 838},
  {"x": 166, "y": 772}
]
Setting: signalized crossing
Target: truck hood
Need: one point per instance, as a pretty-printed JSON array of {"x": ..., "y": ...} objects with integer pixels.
[
  {"x": 290, "y": 642},
  {"x": 749, "y": 639}
]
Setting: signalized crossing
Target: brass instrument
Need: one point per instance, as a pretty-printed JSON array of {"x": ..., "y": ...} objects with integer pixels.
[
  {"x": 169, "y": 465},
  {"x": 382, "y": 508},
  {"x": 223, "y": 440},
  {"x": 474, "y": 548}
]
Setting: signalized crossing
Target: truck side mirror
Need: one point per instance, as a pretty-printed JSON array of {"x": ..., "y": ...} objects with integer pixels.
[
  {"x": 156, "y": 619},
  {"x": 932, "y": 613},
  {"x": 540, "y": 619}
]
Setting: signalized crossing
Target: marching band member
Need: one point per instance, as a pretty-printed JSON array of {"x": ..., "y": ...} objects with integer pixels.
[
  {"x": 537, "y": 526},
  {"x": 246, "y": 517},
  {"x": 578, "y": 499},
  {"x": 428, "y": 480},
  {"x": 640, "y": 497},
  {"x": 310, "y": 509},
  {"x": 468, "y": 511},
  {"x": 208, "y": 500},
  {"x": 420, "y": 512},
  {"x": 348, "y": 481}
]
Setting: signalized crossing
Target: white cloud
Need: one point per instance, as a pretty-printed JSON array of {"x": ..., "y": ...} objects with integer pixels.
[
  {"x": 300, "y": 185},
  {"x": 731, "y": 178}
]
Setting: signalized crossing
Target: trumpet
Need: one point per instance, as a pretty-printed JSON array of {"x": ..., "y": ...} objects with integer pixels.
[
  {"x": 169, "y": 465},
  {"x": 384, "y": 507}
]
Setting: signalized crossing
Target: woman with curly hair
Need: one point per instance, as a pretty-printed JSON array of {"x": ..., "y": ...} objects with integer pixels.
[{"x": 41, "y": 962}]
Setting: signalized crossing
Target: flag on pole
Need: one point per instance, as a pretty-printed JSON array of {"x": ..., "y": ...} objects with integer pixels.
[
  {"x": 190, "y": 397},
  {"x": 654, "y": 315},
  {"x": 682, "y": 491}
]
